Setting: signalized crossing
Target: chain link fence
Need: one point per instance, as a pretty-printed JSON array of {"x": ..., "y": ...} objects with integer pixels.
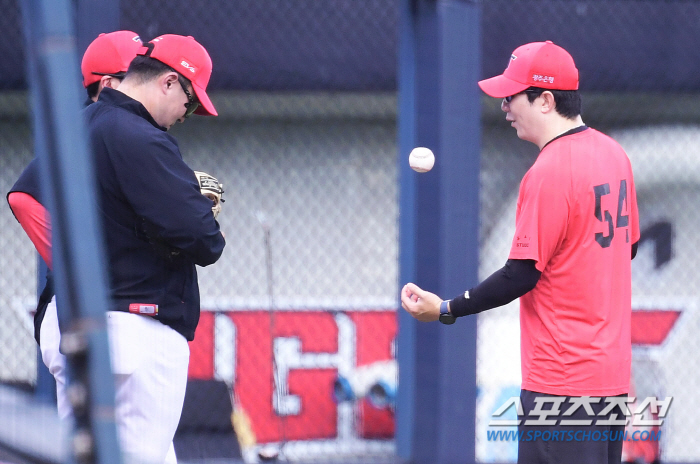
[
  {"x": 298, "y": 320},
  {"x": 304, "y": 294},
  {"x": 18, "y": 270}
]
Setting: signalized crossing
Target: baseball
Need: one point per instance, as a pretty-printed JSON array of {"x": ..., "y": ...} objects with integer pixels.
[{"x": 421, "y": 159}]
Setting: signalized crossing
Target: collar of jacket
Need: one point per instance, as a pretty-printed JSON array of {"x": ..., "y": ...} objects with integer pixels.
[{"x": 117, "y": 98}]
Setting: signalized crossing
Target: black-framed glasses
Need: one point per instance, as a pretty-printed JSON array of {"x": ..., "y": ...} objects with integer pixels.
[
  {"x": 191, "y": 105},
  {"x": 509, "y": 98}
]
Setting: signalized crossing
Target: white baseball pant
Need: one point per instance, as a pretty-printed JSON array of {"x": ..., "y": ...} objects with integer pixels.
[{"x": 149, "y": 363}]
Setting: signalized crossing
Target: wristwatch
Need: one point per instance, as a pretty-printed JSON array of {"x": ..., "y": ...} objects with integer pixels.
[{"x": 445, "y": 316}]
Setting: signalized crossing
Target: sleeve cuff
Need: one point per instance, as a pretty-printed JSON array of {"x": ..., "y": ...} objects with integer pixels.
[{"x": 461, "y": 305}]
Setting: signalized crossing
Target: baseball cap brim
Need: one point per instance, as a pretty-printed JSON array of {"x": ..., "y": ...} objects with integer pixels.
[
  {"x": 501, "y": 86},
  {"x": 206, "y": 107}
]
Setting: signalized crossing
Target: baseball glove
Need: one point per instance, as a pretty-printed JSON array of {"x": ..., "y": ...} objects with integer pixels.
[{"x": 212, "y": 189}]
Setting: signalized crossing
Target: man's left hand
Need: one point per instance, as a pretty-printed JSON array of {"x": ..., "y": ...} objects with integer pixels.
[{"x": 212, "y": 189}]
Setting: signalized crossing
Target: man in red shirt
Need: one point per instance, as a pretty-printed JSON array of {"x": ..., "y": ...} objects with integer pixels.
[{"x": 577, "y": 229}]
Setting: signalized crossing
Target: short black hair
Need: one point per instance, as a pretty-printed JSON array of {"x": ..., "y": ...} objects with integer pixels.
[
  {"x": 144, "y": 68},
  {"x": 568, "y": 102},
  {"x": 92, "y": 89}
]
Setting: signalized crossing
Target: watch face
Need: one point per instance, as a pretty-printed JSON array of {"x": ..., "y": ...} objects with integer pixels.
[{"x": 447, "y": 319}]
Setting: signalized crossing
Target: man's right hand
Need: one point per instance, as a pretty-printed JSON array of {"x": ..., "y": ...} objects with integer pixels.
[{"x": 421, "y": 304}]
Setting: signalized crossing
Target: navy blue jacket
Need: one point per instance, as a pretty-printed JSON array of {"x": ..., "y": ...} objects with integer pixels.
[
  {"x": 156, "y": 223},
  {"x": 28, "y": 181}
]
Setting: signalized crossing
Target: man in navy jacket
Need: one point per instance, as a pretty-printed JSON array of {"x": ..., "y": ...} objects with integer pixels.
[
  {"x": 157, "y": 224},
  {"x": 157, "y": 227}
]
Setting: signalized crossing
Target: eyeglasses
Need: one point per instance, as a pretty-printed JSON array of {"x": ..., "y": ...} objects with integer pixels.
[
  {"x": 509, "y": 98},
  {"x": 191, "y": 105}
]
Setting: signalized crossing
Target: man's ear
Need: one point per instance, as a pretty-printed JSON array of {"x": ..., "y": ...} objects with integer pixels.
[
  {"x": 548, "y": 103},
  {"x": 109, "y": 82},
  {"x": 169, "y": 80}
]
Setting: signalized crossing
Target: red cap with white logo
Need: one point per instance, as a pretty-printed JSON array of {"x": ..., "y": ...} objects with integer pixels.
[
  {"x": 109, "y": 54},
  {"x": 188, "y": 57},
  {"x": 537, "y": 64}
]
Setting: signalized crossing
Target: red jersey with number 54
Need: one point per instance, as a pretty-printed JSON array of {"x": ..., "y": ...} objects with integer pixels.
[{"x": 577, "y": 218}]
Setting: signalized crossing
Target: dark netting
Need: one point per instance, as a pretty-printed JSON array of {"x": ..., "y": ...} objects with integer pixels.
[
  {"x": 11, "y": 46},
  {"x": 287, "y": 45}
]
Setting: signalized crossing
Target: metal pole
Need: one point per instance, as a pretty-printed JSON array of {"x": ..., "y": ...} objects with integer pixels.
[
  {"x": 439, "y": 65},
  {"x": 67, "y": 178},
  {"x": 406, "y": 336}
]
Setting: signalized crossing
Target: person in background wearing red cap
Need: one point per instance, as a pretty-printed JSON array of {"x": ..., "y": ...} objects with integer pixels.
[
  {"x": 577, "y": 229},
  {"x": 157, "y": 226},
  {"x": 104, "y": 64},
  {"x": 106, "y": 60}
]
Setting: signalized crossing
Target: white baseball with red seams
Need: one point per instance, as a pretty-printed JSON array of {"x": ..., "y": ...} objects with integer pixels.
[{"x": 421, "y": 159}]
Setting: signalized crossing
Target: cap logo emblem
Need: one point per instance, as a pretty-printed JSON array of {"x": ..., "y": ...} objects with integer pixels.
[
  {"x": 540, "y": 78},
  {"x": 188, "y": 66}
]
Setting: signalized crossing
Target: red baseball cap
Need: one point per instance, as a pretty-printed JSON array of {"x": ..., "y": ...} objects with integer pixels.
[
  {"x": 188, "y": 57},
  {"x": 109, "y": 54},
  {"x": 537, "y": 64}
]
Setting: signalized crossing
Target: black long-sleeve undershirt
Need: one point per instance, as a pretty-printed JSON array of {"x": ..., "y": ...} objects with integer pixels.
[{"x": 512, "y": 281}]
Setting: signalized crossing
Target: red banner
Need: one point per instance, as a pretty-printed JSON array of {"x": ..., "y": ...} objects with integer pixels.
[{"x": 305, "y": 348}]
